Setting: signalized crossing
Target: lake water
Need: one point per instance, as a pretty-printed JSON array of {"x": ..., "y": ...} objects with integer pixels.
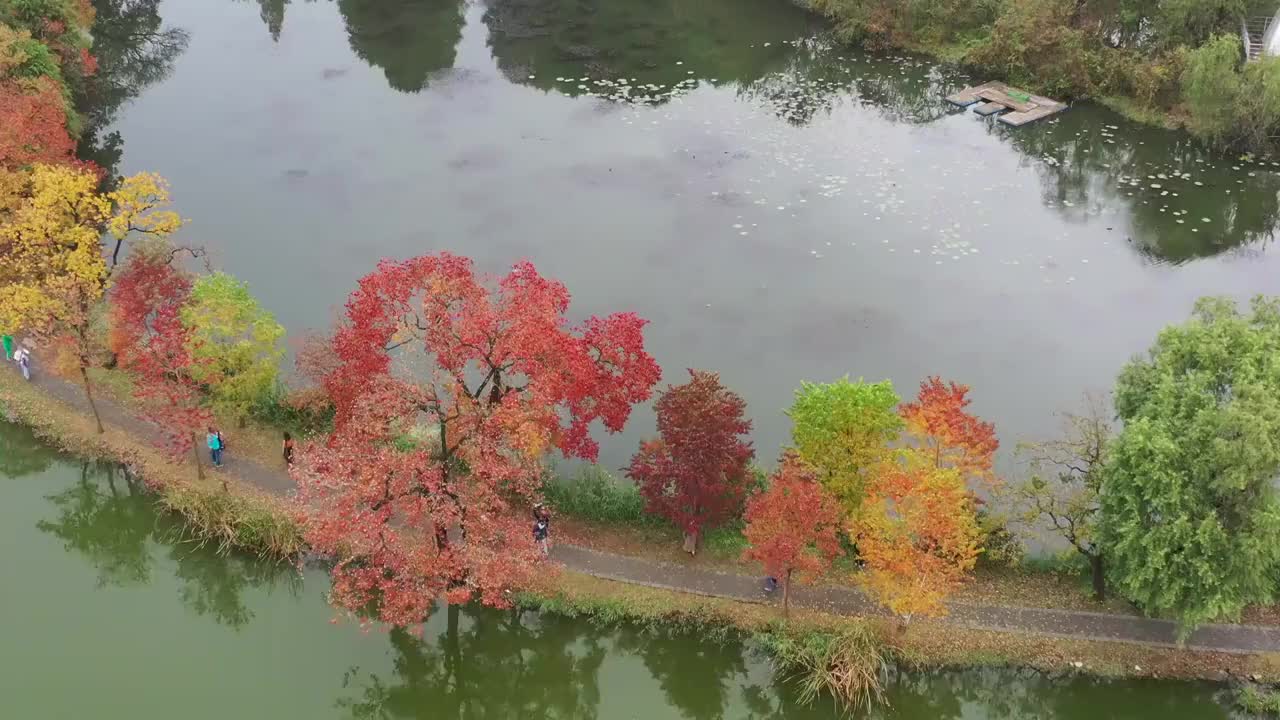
[
  {"x": 109, "y": 614},
  {"x": 780, "y": 209}
]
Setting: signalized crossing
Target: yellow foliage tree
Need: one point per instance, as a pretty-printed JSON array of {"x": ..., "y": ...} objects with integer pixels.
[
  {"x": 917, "y": 535},
  {"x": 60, "y": 243}
]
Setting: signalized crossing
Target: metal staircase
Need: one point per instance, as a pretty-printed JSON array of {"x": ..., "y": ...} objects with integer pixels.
[{"x": 1253, "y": 32}]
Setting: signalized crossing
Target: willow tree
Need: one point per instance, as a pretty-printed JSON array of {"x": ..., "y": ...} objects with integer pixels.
[{"x": 1190, "y": 517}]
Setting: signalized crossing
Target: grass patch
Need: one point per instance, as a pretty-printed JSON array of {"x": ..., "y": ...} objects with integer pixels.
[
  {"x": 849, "y": 665},
  {"x": 1258, "y": 702},
  {"x": 592, "y": 494}
]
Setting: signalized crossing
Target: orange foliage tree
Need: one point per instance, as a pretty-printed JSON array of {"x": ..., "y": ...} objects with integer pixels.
[
  {"x": 793, "y": 527},
  {"x": 917, "y": 534},
  {"x": 940, "y": 427}
]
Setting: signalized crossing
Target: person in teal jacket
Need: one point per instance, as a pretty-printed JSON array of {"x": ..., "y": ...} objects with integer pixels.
[
  {"x": 214, "y": 441},
  {"x": 8, "y": 346}
]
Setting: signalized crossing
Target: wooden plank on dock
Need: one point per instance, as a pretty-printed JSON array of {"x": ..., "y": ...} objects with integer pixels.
[
  {"x": 989, "y": 108},
  {"x": 1007, "y": 100},
  {"x": 969, "y": 96},
  {"x": 1018, "y": 119}
]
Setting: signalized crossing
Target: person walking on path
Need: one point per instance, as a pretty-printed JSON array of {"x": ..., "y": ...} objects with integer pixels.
[
  {"x": 23, "y": 358},
  {"x": 214, "y": 441},
  {"x": 288, "y": 451},
  {"x": 8, "y": 346},
  {"x": 542, "y": 528}
]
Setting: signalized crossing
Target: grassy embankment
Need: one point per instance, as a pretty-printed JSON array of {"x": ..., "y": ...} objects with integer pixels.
[{"x": 821, "y": 652}]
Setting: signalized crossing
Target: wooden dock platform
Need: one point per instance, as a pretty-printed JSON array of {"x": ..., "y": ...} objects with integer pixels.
[{"x": 1016, "y": 106}]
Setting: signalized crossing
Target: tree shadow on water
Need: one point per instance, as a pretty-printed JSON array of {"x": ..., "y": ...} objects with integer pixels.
[{"x": 108, "y": 518}]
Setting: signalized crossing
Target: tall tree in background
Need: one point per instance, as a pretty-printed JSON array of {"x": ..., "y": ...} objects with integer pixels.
[
  {"x": 1065, "y": 484},
  {"x": 1189, "y": 513},
  {"x": 240, "y": 342},
  {"x": 696, "y": 473},
  {"x": 917, "y": 535},
  {"x": 940, "y": 426},
  {"x": 793, "y": 527},
  {"x": 154, "y": 346},
  {"x": 843, "y": 430},
  {"x": 56, "y": 268},
  {"x": 489, "y": 373}
]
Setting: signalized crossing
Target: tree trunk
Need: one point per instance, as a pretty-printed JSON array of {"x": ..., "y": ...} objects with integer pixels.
[
  {"x": 786, "y": 595},
  {"x": 195, "y": 455},
  {"x": 88, "y": 393},
  {"x": 1099, "y": 580}
]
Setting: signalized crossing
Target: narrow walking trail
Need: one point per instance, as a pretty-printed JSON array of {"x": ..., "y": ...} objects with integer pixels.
[{"x": 841, "y": 600}]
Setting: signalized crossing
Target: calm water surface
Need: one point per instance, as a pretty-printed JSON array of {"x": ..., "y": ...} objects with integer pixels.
[
  {"x": 780, "y": 209},
  {"x": 109, "y": 614}
]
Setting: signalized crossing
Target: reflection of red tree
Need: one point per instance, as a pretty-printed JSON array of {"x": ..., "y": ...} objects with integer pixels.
[{"x": 503, "y": 380}]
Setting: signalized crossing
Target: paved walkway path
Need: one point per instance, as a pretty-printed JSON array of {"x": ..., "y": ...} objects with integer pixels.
[{"x": 842, "y": 600}]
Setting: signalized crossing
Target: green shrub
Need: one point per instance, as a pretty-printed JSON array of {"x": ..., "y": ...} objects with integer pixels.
[
  {"x": 1211, "y": 85},
  {"x": 595, "y": 495},
  {"x": 303, "y": 414},
  {"x": 1259, "y": 702},
  {"x": 1230, "y": 104}
]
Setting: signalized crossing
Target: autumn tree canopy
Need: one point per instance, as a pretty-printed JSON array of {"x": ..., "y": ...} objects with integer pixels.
[
  {"x": 56, "y": 268},
  {"x": 940, "y": 426},
  {"x": 155, "y": 347},
  {"x": 240, "y": 340},
  {"x": 793, "y": 527},
  {"x": 843, "y": 429},
  {"x": 917, "y": 534},
  {"x": 483, "y": 376},
  {"x": 697, "y": 471}
]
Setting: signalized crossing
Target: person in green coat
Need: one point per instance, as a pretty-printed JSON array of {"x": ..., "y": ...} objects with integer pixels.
[{"x": 8, "y": 347}]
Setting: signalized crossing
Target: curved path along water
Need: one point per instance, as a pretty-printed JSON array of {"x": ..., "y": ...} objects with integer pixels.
[{"x": 1231, "y": 638}]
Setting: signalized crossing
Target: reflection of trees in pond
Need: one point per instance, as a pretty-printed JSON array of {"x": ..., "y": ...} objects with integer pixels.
[
  {"x": 134, "y": 50},
  {"x": 694, "y": 672},
  {"x": 272, "y": 14},
  {"x": 107, "y": 518},
  {"x": 626, "y": 38},
  {"x": 21, "y": 453},
  {"x": 408, "y": 39},
  {"x": 214, "y": 583},
  {"x": 500, "y": 665},
  {"x": 1084, "y": 165},
  {"x": 817, "y": 78}
]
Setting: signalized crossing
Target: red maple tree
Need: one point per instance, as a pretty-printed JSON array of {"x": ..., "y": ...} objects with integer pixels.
[
  {"x": 33, "y": 125},
  {"x": 449, "y": 389},
  {"x": 793, "y": 527},
  {"x": 152, "y": 344},
  {"x": 696, "y": 473},
  {"x": 942, "y": 429}
]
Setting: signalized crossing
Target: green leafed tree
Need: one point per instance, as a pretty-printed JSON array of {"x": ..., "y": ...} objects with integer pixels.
[
  {"x": 242, "y": 341},
  {"x": 1190, "y": 519},
  {"x": 842, "y": 429}
]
